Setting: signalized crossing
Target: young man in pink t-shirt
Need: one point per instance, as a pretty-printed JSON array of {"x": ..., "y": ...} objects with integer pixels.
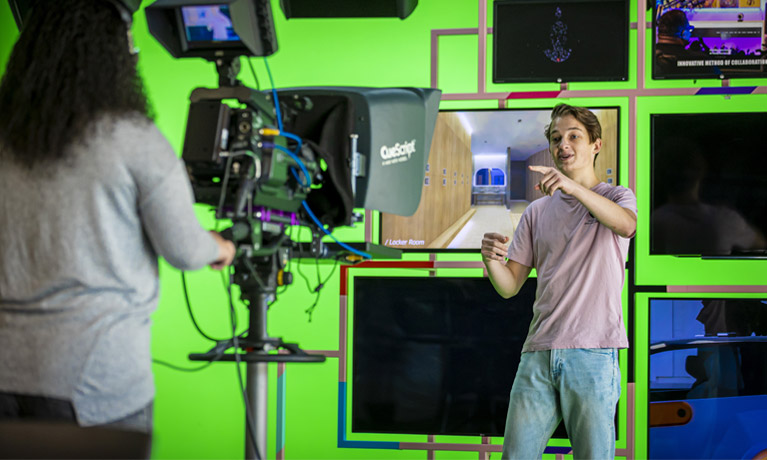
[{"x": 577, "y": 238}]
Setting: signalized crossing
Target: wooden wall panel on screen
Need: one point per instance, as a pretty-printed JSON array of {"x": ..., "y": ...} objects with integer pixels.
[
  {"x": 450, "y": 152},
  {"x": 608, "y": 156},
  {"x": 541, "y": 158}
]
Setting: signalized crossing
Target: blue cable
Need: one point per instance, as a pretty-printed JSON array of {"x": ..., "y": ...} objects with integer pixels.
[
  {"x": 295, "y": 174},
  {"x": 300, "y": 164},
  {"x": 295, "y": 138},
  {"x": 303, "y": 168},
  {"x": 319, "y": 224},
  {"x": 274, "y": 94},
  {"x": 277, "y": 110},
  {"x": 343, "y": 245}
]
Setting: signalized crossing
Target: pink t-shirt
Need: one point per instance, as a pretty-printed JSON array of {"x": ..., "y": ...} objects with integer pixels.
[{"x": 580, "y": 265}]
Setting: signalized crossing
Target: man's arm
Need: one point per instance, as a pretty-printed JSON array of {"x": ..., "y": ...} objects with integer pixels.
[
  {"x": 506, "y": 278},
  {"x": 620, "y": 220}
]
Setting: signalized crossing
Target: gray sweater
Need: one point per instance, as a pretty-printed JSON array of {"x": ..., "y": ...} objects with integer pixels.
[{"x": 79, "y": 242}]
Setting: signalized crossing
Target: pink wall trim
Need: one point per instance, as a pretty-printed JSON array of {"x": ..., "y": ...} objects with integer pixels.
[{"x": 727, "y": 289}]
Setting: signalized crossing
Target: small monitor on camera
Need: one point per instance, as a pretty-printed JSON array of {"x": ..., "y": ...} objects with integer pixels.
[
  {"x": 226, "y": 28},
  {"x": 207, "y": 27}
]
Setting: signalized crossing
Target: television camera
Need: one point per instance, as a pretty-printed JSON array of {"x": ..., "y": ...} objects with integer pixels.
[{"x": 269, "y": 160}]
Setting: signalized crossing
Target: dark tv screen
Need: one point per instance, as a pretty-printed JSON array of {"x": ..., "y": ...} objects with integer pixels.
[
  {"x": 708, "y": 185},
  {"x": 560, "y": 40},
  {"x": 436, "y": 355},
  {"x": 716, "y": 39}
]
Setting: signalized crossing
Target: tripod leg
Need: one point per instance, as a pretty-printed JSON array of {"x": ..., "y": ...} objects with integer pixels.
[{"x": 257, "y": 391}]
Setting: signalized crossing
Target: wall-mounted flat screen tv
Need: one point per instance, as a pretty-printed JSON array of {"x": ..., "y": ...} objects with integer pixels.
[
  {"x": 435, "y": 355},
  {"x": 707, "y": 378},
  {"x": 714, "y": 39},
  {"x": 560, "y": 40},
  {"x": 477, "y": 179},
  {"x": 708, "y": 185}
]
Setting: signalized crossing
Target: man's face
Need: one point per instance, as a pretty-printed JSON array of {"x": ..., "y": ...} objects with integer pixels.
[{"x": 570, "y": 147}]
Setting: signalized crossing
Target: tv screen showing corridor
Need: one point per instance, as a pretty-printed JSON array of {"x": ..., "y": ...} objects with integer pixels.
[{"x": 477, "y": 178}]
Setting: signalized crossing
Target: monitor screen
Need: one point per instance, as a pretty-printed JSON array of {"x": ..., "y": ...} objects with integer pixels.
[
  {"x": 707, "y": 378},
  {"x": 477, "y": 178},
  {"x": 560, "y": 40},
  {"x": 435, "y": 355},
  {"x": 208, "y": 26},
  {"x": 708, "y": 184},
  {"x": 715, "y": 39}
]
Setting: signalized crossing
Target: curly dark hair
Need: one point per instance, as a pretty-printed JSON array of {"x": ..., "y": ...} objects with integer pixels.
[{"x": 70, "y": 66}]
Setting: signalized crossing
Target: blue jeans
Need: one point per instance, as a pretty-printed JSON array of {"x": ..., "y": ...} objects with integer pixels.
[{"x": 581, "y": 386}]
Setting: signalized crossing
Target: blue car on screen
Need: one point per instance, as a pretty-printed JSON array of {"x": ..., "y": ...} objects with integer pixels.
[{"x": 708, "y": 398}]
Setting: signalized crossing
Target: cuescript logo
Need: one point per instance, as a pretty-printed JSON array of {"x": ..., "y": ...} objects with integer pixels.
[{"x": 397, "y": 153}]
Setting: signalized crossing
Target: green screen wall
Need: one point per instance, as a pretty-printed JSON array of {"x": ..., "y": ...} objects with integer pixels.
[{"x": 200, "y": 414}]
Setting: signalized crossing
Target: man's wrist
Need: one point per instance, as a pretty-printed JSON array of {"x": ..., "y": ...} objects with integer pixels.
[
  {"x": 579, "y": 192},
  {"x": 487, "y": 261}
]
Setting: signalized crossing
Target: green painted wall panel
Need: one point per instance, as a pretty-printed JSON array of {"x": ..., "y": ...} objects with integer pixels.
[{"x": 200, "y": 414}]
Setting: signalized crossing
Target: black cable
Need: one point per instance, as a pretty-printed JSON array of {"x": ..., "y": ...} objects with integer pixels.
[
  {"x": 224, "y": 280},
  {"x": 255, "y": 78},
  {"x": 235, "y": 340},
  {"x": 189, "y": 309},
  {"x": 298, "y": 265},
  {"x": 286, "y": 268},
  {"x": 222, "y": 272},
  {"x": 199, "y": 330},
  {"x": 320, "y": 285},
  {"x": 179, "y": 368},
  {"x": 306, "y": 279},
  {"x": 224, "y": 186}
]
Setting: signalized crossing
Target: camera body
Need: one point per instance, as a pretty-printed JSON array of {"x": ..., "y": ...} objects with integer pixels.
[{"x": 238, "y": 162}]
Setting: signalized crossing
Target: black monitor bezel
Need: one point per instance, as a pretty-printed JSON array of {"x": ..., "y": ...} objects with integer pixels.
[
  {"x": 355, "y": 325},
  {"x": 624, "y": 76},
  {"x": 656, "y": 75},
  {"x": 618, "y": 157},
  {"x": 653, "y": 192}
]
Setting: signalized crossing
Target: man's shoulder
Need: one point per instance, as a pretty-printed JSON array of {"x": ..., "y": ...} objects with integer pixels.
[
  {"x": 537, "y": 205},
  {"x": 541, "y": 202},
  {"x": 611, "y": 191}
]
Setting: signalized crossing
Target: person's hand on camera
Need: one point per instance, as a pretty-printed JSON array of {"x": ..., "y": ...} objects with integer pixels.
[
  {"x": 226, "y": 252},
  {"x": 494, "y": 247}
]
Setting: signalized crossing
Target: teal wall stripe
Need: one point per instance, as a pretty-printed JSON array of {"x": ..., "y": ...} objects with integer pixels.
[
  {"x": 280, "y": 443},
  {"x": 342, "y": 441}
]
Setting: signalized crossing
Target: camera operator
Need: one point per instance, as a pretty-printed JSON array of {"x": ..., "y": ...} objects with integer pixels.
[{"x": 92, "y": 195}]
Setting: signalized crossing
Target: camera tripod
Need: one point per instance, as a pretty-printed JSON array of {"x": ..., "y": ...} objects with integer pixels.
[{"x": 258, "y": 278}]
